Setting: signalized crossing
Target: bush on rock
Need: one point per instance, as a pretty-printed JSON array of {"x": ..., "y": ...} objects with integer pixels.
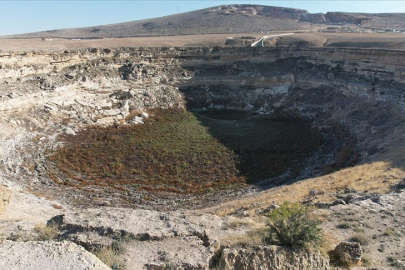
[{"x": 292, "y": 225}]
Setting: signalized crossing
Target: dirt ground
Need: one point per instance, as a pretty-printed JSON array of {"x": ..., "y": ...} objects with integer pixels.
[
  {"x": 359, "y": 40},
  {"x": 62, "y": 44}
]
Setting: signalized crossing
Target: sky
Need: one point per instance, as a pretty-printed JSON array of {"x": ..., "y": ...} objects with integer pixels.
[{"x": 17, "y": 17}]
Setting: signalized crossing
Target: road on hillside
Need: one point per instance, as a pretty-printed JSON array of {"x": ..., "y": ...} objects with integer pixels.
[{"x": 260, "y": 42}]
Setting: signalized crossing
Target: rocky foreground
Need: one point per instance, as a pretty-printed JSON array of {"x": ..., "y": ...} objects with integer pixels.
[{"x": 190, "y": 240}]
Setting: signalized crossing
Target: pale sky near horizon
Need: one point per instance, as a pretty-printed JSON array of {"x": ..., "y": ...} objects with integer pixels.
[{"x": 17, "y": 17}]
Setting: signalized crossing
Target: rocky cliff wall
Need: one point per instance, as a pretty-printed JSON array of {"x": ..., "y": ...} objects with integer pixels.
[
  {"x": 359, "y": 90},
  {"x": 47, "y": 93}
]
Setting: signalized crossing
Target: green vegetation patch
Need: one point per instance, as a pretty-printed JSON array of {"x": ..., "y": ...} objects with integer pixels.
[{"x": 183, "y": 152}]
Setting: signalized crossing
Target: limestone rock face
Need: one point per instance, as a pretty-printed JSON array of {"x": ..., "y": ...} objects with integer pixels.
[
  {"x": 271, "y": 258},
  {"x": 47, "y": 255},
  {"x": 349, "y": 252}
]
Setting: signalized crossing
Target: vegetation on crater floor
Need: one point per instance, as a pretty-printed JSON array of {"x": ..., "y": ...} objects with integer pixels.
[{"x": 184, "y": 152}]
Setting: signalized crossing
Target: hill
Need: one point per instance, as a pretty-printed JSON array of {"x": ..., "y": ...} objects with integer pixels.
[{"x": 225, "y": 19}]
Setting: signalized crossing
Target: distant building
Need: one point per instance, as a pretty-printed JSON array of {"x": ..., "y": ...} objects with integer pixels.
[{"x": 47, "y": 39}]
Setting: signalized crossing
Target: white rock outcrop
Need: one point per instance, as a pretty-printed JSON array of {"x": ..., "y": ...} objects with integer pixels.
[
  {"x": 47, "y": 255},
  {"x": 271, "y": 258}
]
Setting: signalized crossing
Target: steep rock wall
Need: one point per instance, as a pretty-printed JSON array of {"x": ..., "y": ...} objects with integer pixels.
[{"x": 359, "y": 91}]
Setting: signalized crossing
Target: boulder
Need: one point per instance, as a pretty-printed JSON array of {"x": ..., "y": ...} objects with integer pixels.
[
  {"x": 271, "y": 257},
  {"x": 145, "y": 115},
  {"x": 105, "y": 121},
  {"x": 137, "y": 120},
  {"x": 349, "y": 253},
  {"x": 268, "y": 91},
  {"x": 112, "y": 112},
  {"x": 70, "y": 131},
  {"x": 282, "y": 89},
  {"x": 47, "y": 255},
  {"x": 124, "y": 107}
]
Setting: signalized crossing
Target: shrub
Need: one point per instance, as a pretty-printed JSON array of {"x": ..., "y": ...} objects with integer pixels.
[
  {"x": 46, "y": 232},
  {"x": 361, "y": 239},
  {"x": 391, "y": 232},
  {"x": 292, "y": 225},
  {"x": 366, "y": 260},
  {"x": 344, "y": 225}
]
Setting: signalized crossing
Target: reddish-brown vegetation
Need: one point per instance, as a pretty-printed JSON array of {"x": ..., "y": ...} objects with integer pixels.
[{"x": 178, "y": 151}]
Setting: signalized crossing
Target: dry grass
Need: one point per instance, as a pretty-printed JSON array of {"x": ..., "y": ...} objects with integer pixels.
[
  {"x": 391, "y": 232},
  {"x": 111, "y": 256},
  {"x": 253, "y": 237},
  {"x": 238, "y": 223},
  {"x": 107, "y": 256},
  {"x": 372, "y": 177},
  {"x": 46, "y": 232}
]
